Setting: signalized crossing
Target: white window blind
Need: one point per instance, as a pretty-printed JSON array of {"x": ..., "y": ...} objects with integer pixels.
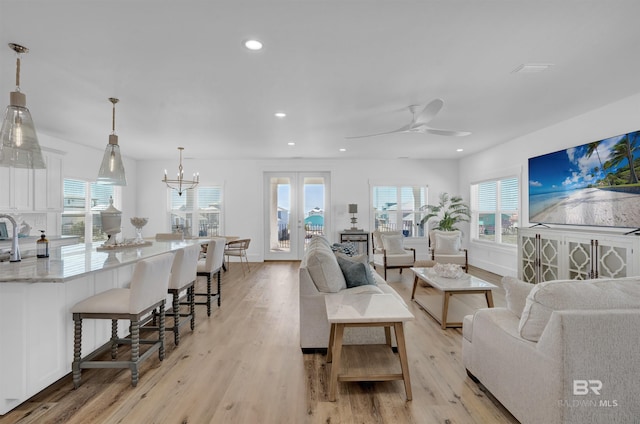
[
  {"x": 495, "y": 210},
  {"x": 197, "y": 212},
  {"x": 81, "y": 213}
]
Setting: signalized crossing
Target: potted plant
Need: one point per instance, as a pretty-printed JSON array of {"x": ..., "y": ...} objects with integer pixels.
[{"x": 449, "y": 211}]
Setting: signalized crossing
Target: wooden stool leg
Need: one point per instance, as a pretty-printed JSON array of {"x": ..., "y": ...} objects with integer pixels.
[
  {"x": 135, "y": 351},
  {"x": 114, "y": 338},
  {"x": 208, "y": 295},
  {"x": 219, "y": 292},
  {"x": 192, "y": 305},
  {"x": 161, "y": 331},
  {"x": 77, "y": 346},
  {"x": 176, "y": 318}
]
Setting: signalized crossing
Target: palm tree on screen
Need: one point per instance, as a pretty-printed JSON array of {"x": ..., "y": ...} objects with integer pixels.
[
  {"x": 593, "y": 147},
  {"x": 624, "y": 150}
]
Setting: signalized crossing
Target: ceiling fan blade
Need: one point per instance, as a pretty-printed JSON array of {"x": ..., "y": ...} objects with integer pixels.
[
  {"x": 429, "y": 112},
  {"x": 453, "y": 133},
  {"x": 406, "y": 128}
]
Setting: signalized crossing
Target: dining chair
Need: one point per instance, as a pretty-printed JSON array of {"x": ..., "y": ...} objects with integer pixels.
[
  {"x": 147, "y": 291},
  {"x": 209, "y": 265},
  {"x": 238, "y": 248}
]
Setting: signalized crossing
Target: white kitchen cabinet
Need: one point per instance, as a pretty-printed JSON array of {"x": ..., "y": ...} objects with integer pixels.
[
  {"x": 48, "y": 184},
  {"x": 550, "y": 254},
  {"x": 16, "y": 190}
]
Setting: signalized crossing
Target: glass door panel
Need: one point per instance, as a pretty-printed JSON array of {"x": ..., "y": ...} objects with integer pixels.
[{"x": 295, "y": 208}]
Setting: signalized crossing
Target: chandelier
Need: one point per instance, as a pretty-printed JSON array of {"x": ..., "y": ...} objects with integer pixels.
[
  {"x": 180, "y": 184},
  {"x": 19, "y": 145}
]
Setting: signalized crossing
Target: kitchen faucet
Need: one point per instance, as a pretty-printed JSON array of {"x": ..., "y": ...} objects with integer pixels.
[{"x": 15, "y": 249}]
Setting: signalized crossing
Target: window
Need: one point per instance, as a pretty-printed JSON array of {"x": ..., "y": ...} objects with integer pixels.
[
  {"x": 81, "y": 214},
  {"x": 495, "y": 210},
  {"x": 399, "y": 208},
  {"x": 197, "y": 212}
]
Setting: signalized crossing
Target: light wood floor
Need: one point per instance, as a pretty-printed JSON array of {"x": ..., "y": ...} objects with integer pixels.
[{"x": 244, "y": 365}]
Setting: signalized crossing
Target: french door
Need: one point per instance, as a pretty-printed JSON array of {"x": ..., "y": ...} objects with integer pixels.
[{"x": 296, "y": 208}]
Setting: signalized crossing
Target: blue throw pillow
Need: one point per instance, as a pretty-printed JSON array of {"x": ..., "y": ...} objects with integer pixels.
[{"x": 355, "y": 273}]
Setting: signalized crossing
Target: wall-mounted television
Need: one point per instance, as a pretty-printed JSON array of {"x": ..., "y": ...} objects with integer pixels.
[{"x": 595, "y": 184}]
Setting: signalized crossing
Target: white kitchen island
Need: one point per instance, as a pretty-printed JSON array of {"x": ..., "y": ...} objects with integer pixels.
[{"x": 36, "y": 327}]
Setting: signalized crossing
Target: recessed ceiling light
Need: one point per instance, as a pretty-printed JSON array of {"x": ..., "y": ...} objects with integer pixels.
[
  {"x": 532, "y": 68},
  {"x": 253, "y": 45},
  {"x": 291, "y": 143},
  {"x": 459, "y": 150},
  {"x": 343, "y": 150},
  {"x": 280, "y": 114}
]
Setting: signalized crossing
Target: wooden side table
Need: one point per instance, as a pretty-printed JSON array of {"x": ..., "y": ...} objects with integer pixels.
[{"x": 366, "y": 310}]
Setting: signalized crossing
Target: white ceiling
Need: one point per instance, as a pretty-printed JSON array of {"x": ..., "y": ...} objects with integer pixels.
[{"x": 337, "y": 68}]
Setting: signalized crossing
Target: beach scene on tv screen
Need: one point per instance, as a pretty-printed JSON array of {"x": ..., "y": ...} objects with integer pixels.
[{"x": 592, "y": 184}]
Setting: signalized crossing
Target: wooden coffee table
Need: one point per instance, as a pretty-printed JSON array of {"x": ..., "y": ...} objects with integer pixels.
[
  {"x": 467, "y": 284},
  {"x": 366, "y": 310}
]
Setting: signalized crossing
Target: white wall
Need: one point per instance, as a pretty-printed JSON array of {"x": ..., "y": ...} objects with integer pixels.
[
  {"x": 617, "y": 118},
  {"x": 243, "y": 189}
]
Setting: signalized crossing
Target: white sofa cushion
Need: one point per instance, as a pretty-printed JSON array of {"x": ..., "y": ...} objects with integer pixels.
[
  {"x": 544, "y": 298},
  {"x": 324, "y": 270},
  {"x": 516, "y": 292}
]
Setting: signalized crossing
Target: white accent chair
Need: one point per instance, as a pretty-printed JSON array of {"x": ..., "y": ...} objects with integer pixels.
[
  {"x": 211, "y": 264},
  {"x": 183, "y": 278},
  {"x": 446, "y": 248},
  {"x": 148, "y": 291},
  {"x": 389, "y": 252}
]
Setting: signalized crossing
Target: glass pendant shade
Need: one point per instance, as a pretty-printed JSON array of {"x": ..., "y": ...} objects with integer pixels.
[
  {"x": 19, "y": 145},
  {"x": 112, "y": 168}
]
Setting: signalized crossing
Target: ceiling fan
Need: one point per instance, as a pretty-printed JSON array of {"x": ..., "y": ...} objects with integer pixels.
[{"x": 419, "y": 122}]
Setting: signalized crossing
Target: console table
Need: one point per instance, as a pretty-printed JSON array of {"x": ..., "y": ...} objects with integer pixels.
[
  {"x": 356, "y": 237},
  {"x": 366, "y": 310}
]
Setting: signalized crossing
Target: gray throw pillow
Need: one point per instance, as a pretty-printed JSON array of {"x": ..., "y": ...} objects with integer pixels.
[{"x": 355, "y": 273}]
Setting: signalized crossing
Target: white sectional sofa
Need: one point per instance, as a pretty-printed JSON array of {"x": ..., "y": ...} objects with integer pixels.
[
  {"x": 561, "y": 351},
  {"x": 320, "y": 274}
]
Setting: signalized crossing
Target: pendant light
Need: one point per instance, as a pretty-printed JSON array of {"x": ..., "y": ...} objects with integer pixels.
[
  {"x": 180, "y": 184},
  {"x": 19, "y": 146},
  {"x": 112, "y": 168}
]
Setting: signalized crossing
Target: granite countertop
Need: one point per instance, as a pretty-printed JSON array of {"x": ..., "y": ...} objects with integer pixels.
[{"x": 68, "y": 262}]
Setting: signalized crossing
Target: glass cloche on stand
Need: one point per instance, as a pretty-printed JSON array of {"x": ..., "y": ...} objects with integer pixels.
[{"x": 138, "y": 223}]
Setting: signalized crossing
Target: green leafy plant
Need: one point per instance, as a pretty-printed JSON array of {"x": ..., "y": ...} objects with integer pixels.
[{"x": 449, "y": 211}]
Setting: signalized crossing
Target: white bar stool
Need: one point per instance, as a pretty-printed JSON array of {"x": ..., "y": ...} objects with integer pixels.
[
  {"x": 183, "y": 277},
  {"x": 148, "y": 290},
  {"x": 210, "y": 265}
]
